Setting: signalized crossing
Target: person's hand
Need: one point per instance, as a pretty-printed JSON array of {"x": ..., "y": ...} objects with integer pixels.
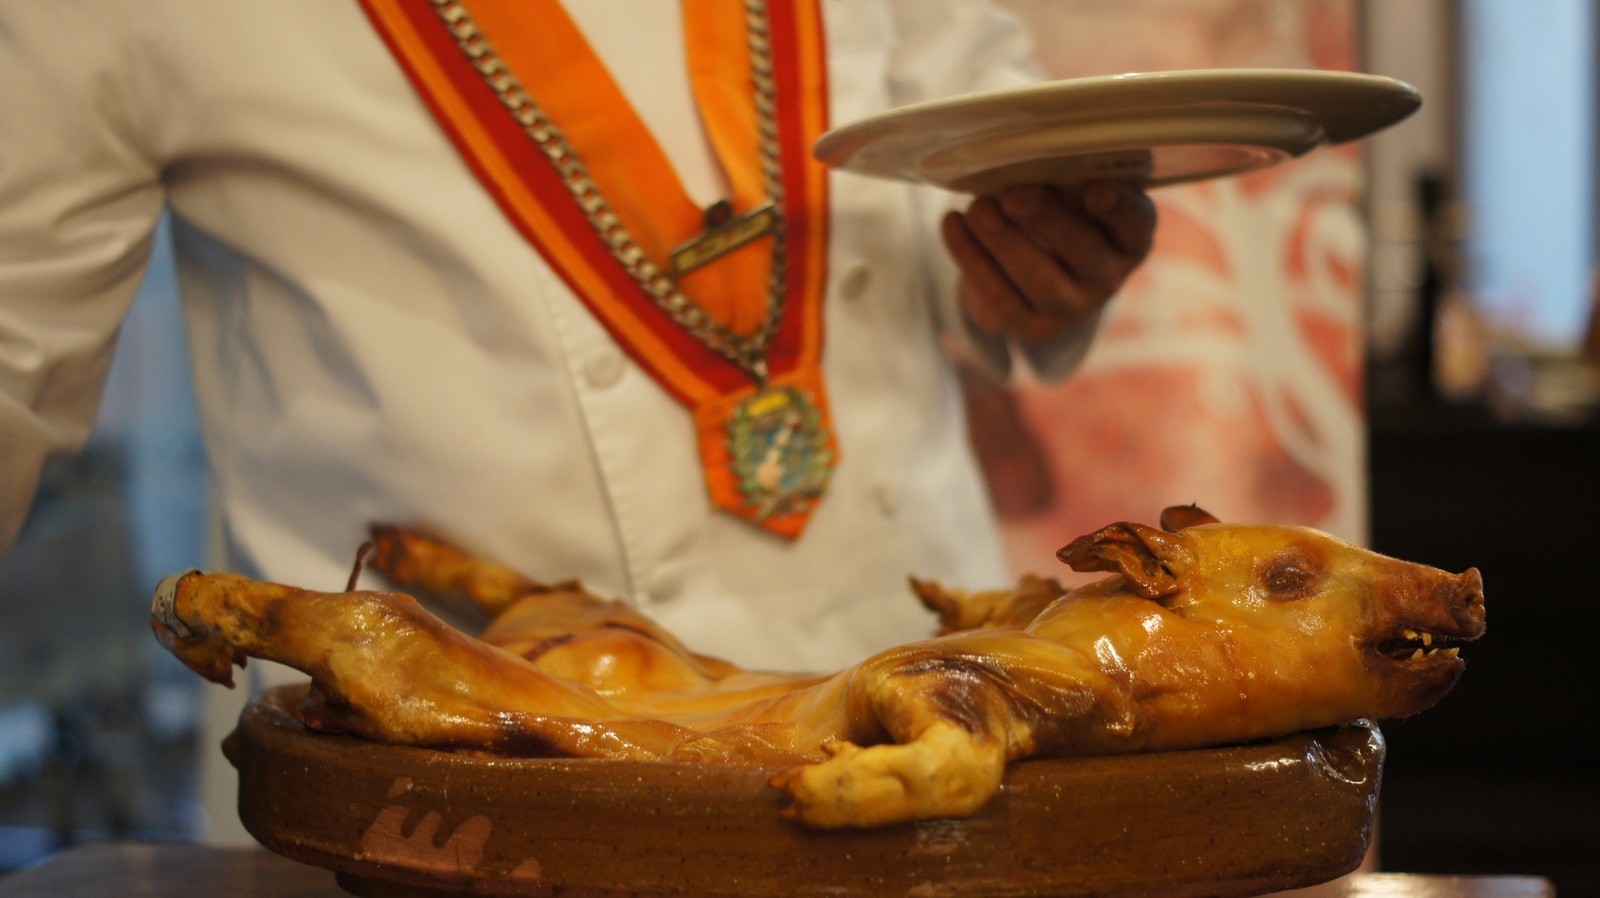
[{"x": 1036, "y": 261}]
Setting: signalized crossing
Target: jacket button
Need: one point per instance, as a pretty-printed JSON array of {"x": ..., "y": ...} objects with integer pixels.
[
  {"x": 887, "y": 498},
  {"x": 603, "y": 368},
  {"x": 855, "y": 282}
]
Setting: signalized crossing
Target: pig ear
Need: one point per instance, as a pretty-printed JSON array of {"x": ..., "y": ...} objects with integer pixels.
[
  {"x": 1178, "y": 517},
  {"x": 1144, "y": 556}
]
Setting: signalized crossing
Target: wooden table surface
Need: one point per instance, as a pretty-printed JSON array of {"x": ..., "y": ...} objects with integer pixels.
[{"x": 116, "y": 870}]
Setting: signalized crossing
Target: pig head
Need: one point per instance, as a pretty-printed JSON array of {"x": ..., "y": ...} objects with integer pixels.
[{"x": 1288, "y": 626}]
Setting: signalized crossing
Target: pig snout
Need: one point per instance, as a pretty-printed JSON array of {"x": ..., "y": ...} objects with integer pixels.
[{"x": 1466, "y": 603}]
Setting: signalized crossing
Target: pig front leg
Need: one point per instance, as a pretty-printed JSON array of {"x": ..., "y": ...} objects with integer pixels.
[
  {"x": 960, "y": 609},
  {"x": 944, "y": 771},
  {"x": 953, "y": 727}
]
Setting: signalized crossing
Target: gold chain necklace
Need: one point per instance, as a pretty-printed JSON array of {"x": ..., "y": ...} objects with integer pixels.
[{"x": 748, "y": 352}]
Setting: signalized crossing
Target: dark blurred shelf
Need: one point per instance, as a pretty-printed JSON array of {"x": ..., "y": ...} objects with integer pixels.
[{"x": 1503, "y": 767}]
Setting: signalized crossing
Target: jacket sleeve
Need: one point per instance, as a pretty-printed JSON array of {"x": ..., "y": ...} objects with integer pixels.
[
  {"x": 79, "y": 202},
  {"x": 946, "y": 48}
]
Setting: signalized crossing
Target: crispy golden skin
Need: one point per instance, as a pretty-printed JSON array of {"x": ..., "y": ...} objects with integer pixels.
[{"x": 1206, "y": 634}]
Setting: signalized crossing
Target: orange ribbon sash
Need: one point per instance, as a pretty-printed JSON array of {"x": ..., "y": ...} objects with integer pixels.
[{"x": 502, "y": 76}]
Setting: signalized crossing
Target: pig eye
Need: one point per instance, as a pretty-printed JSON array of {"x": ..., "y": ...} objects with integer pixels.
[{"x": 1291, "y": 574}]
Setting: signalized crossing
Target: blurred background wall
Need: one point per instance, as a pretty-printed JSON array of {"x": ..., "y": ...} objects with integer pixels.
[{"x": 97, "y": 722}]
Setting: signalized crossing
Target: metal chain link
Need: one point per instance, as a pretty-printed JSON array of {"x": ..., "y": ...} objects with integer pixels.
[{"x": 747, "y": 352}]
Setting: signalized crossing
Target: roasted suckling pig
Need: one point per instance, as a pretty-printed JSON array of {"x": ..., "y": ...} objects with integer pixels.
[{"x": 1205, "y": 634}]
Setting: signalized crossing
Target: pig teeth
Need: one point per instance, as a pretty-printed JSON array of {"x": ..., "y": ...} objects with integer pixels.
[
  {"x": 1427, "y": 638},
  {"x": 1416, "y": 655},
  {"x": 1452, "y": 652},
  {"x": 1409, "y": 634}
]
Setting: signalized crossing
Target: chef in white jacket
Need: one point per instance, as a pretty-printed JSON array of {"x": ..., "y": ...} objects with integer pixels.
[{"x": 372, "y": 340}]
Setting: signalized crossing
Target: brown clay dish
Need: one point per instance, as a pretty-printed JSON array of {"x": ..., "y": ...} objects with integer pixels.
[{"x": 403, "y": 821}]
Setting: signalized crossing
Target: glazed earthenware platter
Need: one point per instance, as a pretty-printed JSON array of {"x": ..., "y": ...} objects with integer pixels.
[
  {"x": 1151, "y": 128},
  {"x": 402, "y": 822}
]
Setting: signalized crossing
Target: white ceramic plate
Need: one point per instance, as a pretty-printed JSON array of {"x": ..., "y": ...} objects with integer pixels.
[{"x": 1152, "y": 128}]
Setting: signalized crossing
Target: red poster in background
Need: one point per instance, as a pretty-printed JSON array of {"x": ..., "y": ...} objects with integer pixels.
[{"x": 1227, "y": 372}]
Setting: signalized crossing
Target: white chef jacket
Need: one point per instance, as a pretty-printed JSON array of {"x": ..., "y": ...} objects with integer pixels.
[{"x": 372, "y": 341}]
